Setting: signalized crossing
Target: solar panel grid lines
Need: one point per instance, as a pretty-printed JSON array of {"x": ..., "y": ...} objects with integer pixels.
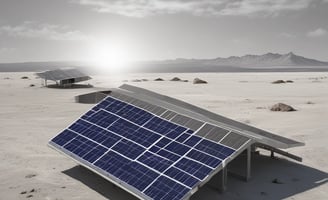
[{"x": 174, "y": 155}]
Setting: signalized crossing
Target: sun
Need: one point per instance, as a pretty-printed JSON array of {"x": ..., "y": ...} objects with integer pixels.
[{"x": 109, "y": 57}]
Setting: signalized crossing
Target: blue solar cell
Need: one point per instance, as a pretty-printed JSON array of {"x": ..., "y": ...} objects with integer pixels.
[
  {"x": 190, "y": 131},
  {"x": 154, "y": 149},
  {"x": 94, "y": 154},
  {"x": 88, "y": 114},
  {"x": 64, "y": 137},
  {"x": 134, "y": 114},
  {"x": 168, "y": 155},
  {"x": 214, "y": 149},
  {"x": 130, "y": 172},
  {"x": 123, "y": 127},
  {"x": 103, "y": 118},
  {"x": 181, "y": 176},
  {"x": 182, "y": 137},
  {"x": 128, "y": 149},
  {"x": 79, "y": 126},
  {"x": 163, "y": 142},
  {"x": 115, "y": 106},
  {"x": 198, "y": 170},
  {"x": 130, "y": 131},
  {"x": 166, "y": 189},
  {"x": 192, "y": 141},
  {"x": 111, "y": 162},
  {"x": 101, "y": 105},
  {"x": 110, "y": 139},
  {"x": 155, "y": 162},
  {"x": 227, "y": 151},
  {"x": 164, "y": 127},
  {"x": 177, "y": 148},
  {"x": 204, "y": 158}
]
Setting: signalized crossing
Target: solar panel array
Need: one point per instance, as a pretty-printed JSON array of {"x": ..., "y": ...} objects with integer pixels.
[{"x": 149, "y": 150}]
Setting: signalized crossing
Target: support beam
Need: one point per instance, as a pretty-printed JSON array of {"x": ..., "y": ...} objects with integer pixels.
[
  {"x": 224, "y": 179},
  {"x": 275, "y": 150},
  {"x": 248, "y": 163},
  {"x": 219, "y": 181}
]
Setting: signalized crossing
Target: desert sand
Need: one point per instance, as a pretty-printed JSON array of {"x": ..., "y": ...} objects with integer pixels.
[{"x": 31, "y": 116}]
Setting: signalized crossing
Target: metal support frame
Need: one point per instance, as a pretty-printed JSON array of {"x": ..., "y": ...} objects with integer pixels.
[
  {"x": 219, "y": 180},
  {"x": 248, "y": 163}
]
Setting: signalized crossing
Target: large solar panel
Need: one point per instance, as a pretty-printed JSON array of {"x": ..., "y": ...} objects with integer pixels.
[{"x": 154, "y": 155}]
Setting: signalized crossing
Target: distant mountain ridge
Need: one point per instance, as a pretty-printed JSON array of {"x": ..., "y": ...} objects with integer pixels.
[
  {"x": 269, "y": 62},
  {"x": 265, "y": 60}
]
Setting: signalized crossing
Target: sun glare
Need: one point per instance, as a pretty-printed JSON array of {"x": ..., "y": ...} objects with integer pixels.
[{"x": 110, "y": 58}]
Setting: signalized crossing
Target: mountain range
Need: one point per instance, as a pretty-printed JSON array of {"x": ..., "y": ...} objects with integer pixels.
[{"x": 247, "y": 63}]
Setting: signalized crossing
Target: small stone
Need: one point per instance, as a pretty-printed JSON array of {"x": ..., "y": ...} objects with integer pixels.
[
  {"x": 158, "y": 79},
  {"x": 278, "y": 82},
  {"x": 176, "y": 79},
  {"x": 30, "y": 175},
  {"x": 29, "y": 196},
  {"x": 282, "y": 107},
  {"x": 199, "y": 81},
  {"x": 277, "y": 181},
  {"x": 23, "y": 192}
]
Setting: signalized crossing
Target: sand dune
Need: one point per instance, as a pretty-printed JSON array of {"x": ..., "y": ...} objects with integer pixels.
[{"x": 30, "y": 116}]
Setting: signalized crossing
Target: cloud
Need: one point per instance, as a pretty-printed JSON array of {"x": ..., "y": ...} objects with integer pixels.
[
  {"x": 317, "y": 33},
  {"x": 264, "y": 7},
  {"x": 43, "y": 31},
  {"x": 143, "y": 8}
]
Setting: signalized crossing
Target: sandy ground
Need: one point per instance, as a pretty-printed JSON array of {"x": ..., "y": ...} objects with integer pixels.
[{"x": 30, "y": 116}]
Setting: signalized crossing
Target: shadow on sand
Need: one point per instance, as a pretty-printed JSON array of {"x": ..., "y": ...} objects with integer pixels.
[{"x": 293, "y": 178}]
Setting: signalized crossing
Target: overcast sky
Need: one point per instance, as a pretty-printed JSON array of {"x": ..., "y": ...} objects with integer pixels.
[{"x": 54, "y": 30}]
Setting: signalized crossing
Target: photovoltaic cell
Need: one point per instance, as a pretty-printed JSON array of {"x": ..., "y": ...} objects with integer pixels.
[{"x": 157, "y": 156}]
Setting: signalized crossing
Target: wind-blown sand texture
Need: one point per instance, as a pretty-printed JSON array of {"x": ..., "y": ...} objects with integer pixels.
[{"x": 31, "y": 116}]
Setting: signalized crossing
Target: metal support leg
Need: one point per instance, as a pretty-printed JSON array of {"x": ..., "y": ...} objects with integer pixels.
[
  {"x": 219, "y": 181},
  {"x": 224, "y": 179},
  {"x": 248, "y": 165}
]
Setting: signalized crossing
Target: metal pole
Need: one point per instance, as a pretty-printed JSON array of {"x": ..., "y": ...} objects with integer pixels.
[{"x": 248, "y": 165}]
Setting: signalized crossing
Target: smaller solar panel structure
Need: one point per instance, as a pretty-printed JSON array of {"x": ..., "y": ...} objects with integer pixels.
[
  {"x": 63, "y": 77},
  {"x": 156, "y": 147}
]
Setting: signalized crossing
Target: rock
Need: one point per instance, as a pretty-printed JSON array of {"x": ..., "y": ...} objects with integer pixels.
[
  {"x": 199, "y": 81},
  {"x": 278, "y": 82},
  {"x": 176, "y": 79},
  {"x": 30, "y": 175},
  {"x": 277, "y": 181},
  {"x": 33, "y": 190},
  {"x": 309, "y": 102},
  {"x": 29, "y": 196},
  {"x": 24, "y": 77},
  {"x": 289, "y": 81},
  {"x": 184, "y": 80},
  {"x": 282, "y": 107},
  {"x": 144, "y": 79},
  {"x": 159, "y": 79},
  {"x": 23, "y": 192},
  {"x": 32, "y": 85},
  {"x": 136, "y": 80}
]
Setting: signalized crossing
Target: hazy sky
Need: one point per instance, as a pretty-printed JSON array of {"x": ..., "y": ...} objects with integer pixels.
[{"x": 44, "y": 30}]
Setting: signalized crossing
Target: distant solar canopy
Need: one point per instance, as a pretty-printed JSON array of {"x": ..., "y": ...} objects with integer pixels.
[
  {"x": 64, "y": 76},
  {"x": 149, "y": 150}
]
